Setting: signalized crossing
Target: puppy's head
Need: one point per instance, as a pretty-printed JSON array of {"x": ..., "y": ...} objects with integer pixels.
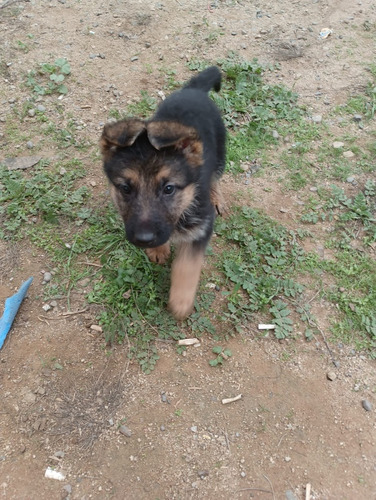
[{"x": 153, "y": 168}]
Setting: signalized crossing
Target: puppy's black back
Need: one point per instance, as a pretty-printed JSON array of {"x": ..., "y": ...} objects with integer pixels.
[{"x": 192, "y": 107}]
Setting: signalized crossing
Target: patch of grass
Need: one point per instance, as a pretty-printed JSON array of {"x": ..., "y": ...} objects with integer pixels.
[
  {"x": 44, "y": 195},
  {"x": 354, "y": 217},
  {"x": 49, "y": 78},
  {"x": 144, "y": 107},
  {"x": 251, "y": 108},
  {"x": 259, "y": 260},
  {"x": 353, "y": 291}
]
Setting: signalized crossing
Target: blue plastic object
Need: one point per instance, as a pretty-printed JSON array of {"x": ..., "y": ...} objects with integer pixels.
[{"x": 12, "y": 304}]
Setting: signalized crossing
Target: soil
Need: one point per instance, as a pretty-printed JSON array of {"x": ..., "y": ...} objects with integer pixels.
[{"x": 64, "y": 396}]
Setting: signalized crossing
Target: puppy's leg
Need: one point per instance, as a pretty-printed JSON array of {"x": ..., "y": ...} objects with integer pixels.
[
  {"x": 159, "y": 254},
  {"x": 185, "y": 276}
]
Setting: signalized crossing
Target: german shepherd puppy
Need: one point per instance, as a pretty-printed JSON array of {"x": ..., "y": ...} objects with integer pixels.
[{"x": 164, "y": 175}]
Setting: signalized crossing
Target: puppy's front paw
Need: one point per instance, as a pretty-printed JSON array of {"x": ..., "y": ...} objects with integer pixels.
[
  {"x": 181, "y": 305},
  {"x": 160, "y": 254}
]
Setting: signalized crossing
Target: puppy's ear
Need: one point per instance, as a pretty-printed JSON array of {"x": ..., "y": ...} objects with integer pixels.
[
  {"x": 121, "y": 134},
  {"x": 186, "y": 139}
]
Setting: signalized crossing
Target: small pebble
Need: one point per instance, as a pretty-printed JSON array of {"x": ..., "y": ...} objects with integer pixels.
[
  {"x": 162, "y": 428},
  {"x": 96, "y": 328},
  {"x": 59, "y": 454},
  {"x": 366, "y": 405},
  {"x": 194, "y": 428},
  {"x": 46, "y": 307},
  {"x": 338, "y": 144},
  {"x": 41, "y": 108},
  {"x": 243, "y": 474},
  {"x": 275, "y": 134},
  {"x": 313, "y": 189},
  {"x": 357, "y": 118},
  {"x": 163, "y": 398},
  {"x": 287, "y": 459},
  {"x": 53, "y": 303},
  {"x": 31, "y": 112},
  {"x": 331, "y": 376},
  {"x": 68, "y": 488},
  {"x": 123, "y": 429},
  {"x": 29, "y": 145},
  {"x": 348, "y": 154},
  {"x": 134, "y": 58},
  {"x": 47, "y": 277},
  {"x": 203, "y": 473},
  {"x": 317, "y": 118},
  {"x": 350, "y": 179},
  {"x": 290, "y": 495}
]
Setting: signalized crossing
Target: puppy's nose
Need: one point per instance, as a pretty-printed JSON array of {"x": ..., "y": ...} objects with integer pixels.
[{"x": 144, "y": 237}]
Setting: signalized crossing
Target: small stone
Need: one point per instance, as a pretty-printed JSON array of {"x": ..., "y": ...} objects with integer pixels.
[
  {"x": 331, "y": 376},
  {"x": 111, "y": 422},
  {"x": 243, "y": 474},
  {"x": 338, "y": 144},
  {"x": 290, "y": 495},
  {"x": 348, "y": 154},
  {"x": 357, "y": 118},
  {"x": 59, "y": 454},
  {"x": 202, "y": 474},
  {"x": 62, "y": 171},
  {"x": 366, "y": 405},
  {"x": 93, "y": 56},
  {"x": 96, "y": 328},
  {"x": 47, "y": 277},
  {"x": 125, "y": 431},
  {"x": 233, "y": 33},
  {"x": 31, "y": 112},
  {"x": 287, "y": 459},
  {"x": 164, "y": 398},
  {"x": 162, "y": 428},
  {"x": 275, "y": 134},
  {"x": 46, "y": 307},
  {"x": 317, "y": 118},
  {"x": 350, "y": 179},
  {"x": 53, "y": 303},
  {"x": 194, "y": 428},
  {"x": 29, "y": 145},
  {"x": 134, "y": 58},
  {"x": 313, "y": 189},
  {"x": 41, "y": 108},
  {"x": 68, "y": 488}
]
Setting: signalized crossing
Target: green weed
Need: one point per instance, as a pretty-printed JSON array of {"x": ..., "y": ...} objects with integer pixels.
[{"x": 49, "y": 78}]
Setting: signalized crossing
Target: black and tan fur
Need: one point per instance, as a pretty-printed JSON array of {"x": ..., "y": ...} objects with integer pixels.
[{"x": 164, "y": 176}]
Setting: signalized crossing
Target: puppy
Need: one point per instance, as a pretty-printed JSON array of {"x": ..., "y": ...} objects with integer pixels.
[{"x": 164, "y": 176}]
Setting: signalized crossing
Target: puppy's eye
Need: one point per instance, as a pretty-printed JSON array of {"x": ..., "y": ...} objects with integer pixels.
[
  {"x": 169, "y": 189},
  {"x": 126, "y": 188}
]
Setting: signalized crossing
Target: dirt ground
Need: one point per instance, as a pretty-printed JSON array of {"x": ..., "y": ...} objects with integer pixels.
[{"x": 63, "y": 397}]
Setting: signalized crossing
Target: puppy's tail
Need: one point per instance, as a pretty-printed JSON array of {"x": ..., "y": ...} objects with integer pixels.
[{"x": 208, "y": 79}]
